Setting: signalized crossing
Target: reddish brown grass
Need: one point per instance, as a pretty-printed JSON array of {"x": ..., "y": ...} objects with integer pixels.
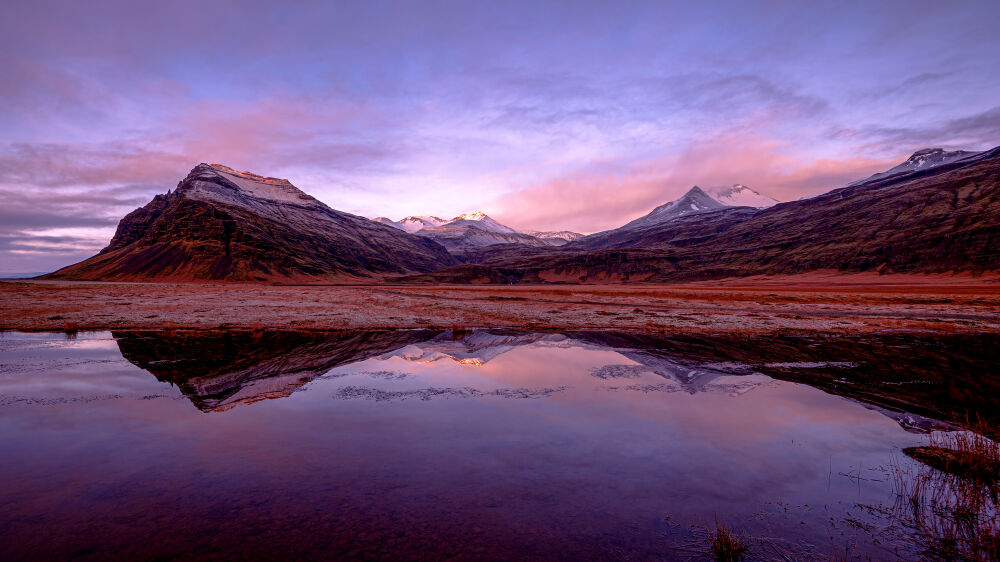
[
  {"x": 951, "y": 503},
  {"x": 681, "y": 308},
  {"x": 727, "y": 546}
]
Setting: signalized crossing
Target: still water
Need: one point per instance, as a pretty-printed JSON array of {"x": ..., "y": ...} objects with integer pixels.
[{"x": 477, "y": 444}]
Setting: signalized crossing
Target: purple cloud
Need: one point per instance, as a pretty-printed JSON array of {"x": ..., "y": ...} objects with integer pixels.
[{"x": 556, "y": 115}]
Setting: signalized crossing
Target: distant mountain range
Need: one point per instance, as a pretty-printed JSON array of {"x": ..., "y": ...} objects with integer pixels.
[
  {"x": 938, "y": 211},
  {"x": 942, "y": 216},
  {"x": 478, "y": 230},
  {"x": 474, "y": 230}
]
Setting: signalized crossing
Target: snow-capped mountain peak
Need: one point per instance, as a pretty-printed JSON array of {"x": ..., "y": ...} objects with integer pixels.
[
  {"x": 930, "y": 157},
  {"x": 479, "y": 220},
  {"x": 418, "y": 222},
  {"x": 693, "y": 202},
  {"x": 474, "y": 216},
  {"x": 412, "y": 224},
  {"x": 923, "y": 159},
  {"x": 740, "y": 195}
]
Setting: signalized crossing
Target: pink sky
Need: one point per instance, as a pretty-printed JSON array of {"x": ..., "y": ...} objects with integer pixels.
[{"x": 578, "y": 115}]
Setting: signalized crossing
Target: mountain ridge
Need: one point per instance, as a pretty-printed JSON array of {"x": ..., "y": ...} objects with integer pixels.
[
  {"x": 219, "y": 224},
  {"x": 474, "y": 230},
  {"x": 923, "y": 159}
]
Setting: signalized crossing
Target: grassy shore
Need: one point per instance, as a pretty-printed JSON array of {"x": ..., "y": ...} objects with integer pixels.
[{"x": 842, "y": 304}]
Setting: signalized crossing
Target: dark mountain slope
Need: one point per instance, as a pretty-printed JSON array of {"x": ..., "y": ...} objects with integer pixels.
[{"x": 220, "y": 224}]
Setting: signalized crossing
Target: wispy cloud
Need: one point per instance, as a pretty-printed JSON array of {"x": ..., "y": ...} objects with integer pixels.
[
  {"x": 552, "y": 115},
  {"x": 615, "y": 193}
]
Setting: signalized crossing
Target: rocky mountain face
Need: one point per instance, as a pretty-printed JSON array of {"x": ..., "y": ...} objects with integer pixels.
[
  {"x": 220, "y": 224},
  {"x": 930, "y": 219}
]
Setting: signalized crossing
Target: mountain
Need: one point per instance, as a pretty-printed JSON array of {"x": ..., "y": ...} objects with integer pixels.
[
  {"x": 555, "y": 238},
  {"x": 415, "y": 223},
  {"x": 475, "y": 230},
  {"x": 462, "y": 235},
  {"x": 740, "y": 195},
  {"x": 220, "y": 224},
  {"x": 944, "y": 218},
  {"x": 687, "y": 229},
  {"x": 923, "y": 159},
  {"x": 697, "y": 205},
  {"x": 693, "y": 202},
  {"x": 477, "y": 219},
  {"x": 411, "y": 224},
  {"x": 481, "y": 221}
]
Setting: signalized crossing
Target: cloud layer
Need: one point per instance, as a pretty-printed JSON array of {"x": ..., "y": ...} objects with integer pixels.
[{"x": 567, "y": 115}]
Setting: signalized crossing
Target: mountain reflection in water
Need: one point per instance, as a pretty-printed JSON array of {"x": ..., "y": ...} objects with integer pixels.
[
  {"x": 476, "y": 444},
  {"x": 908, "y": 377},
  {"x": 222, "y": 369}
]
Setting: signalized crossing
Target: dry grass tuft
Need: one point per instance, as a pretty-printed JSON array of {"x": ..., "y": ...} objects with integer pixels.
[
  {"x": 727, "y": 546},
  {"x": 952, "y": 501}
]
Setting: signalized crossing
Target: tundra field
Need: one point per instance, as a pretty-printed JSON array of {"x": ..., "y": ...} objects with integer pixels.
[{"x": 815, "y": 303}]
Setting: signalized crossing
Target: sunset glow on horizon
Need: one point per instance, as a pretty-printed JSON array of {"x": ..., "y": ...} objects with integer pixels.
[{"x": 546, "y": 116}]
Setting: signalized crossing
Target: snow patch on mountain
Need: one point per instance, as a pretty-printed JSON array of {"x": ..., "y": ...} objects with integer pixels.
[
  {"x": 555, "y": 237},
  {"x": 695, "y": 201},
  {"x": 273, "y": 198},
  {"x": 468, "y": 230},
  {"x": 481, "y": 221},
  {"x": 417, "y": 222},
  {"x": 740, "y": 195},
  {"x": 250, "y": 185},
  {"x": 923, "y": 159}
]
